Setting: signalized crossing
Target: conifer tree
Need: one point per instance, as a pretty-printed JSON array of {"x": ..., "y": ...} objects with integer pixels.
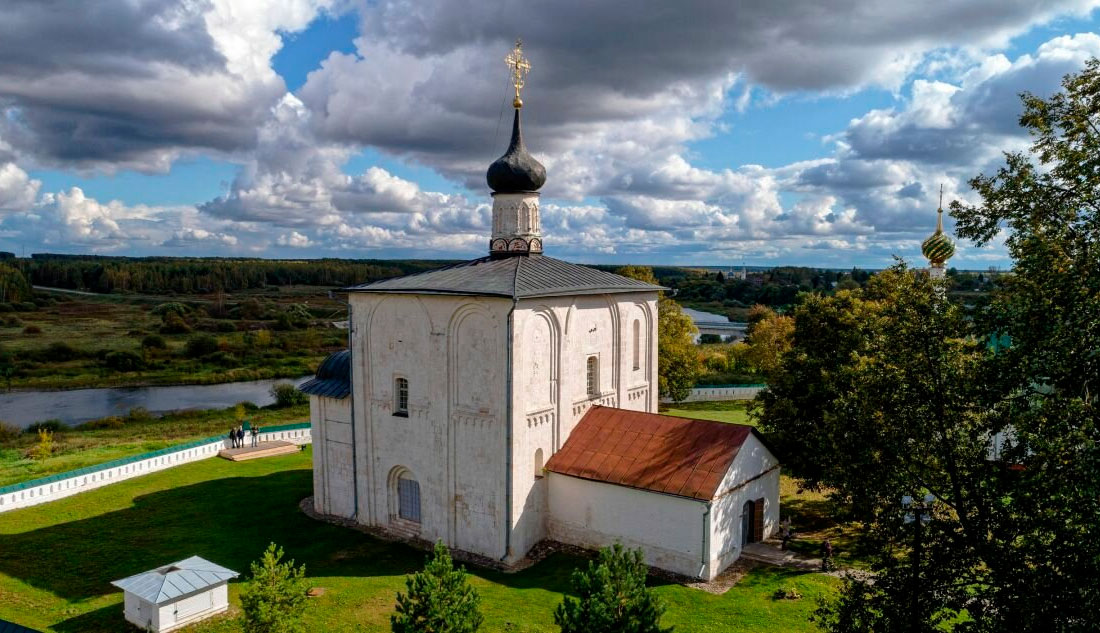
[
  {"x": 275, "y": 600},
  {"x": 612, "y": 598},
  {"x": 439, "y": 599}
]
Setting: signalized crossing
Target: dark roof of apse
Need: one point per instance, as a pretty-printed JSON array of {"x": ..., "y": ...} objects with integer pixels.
[
  {"x": 333, "y": 377},
  {"x": 517, "y": 277}
]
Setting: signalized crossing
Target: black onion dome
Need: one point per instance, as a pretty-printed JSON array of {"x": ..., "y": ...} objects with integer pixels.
[{"x": 516, "y": 171}]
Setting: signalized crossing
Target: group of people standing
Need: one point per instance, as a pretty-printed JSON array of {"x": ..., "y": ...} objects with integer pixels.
[{"x": 236, "y": 436}]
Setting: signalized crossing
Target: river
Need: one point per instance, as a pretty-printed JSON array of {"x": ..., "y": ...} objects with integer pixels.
[{"x": 23, "y": 408}]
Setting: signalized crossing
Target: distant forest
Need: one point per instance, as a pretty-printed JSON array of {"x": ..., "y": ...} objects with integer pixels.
[{"x": 198, "y": 275}]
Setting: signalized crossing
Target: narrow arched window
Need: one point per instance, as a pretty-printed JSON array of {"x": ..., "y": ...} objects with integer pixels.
[
  {"x": 538, "y": 464},
  {"x": 593, "y": 376},
  {"x": 401, "y": 397},
  {"x": 408, "y": 498},
  {"x": 637, "y": 344}
]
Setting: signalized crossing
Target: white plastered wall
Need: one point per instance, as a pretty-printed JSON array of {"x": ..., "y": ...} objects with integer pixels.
[
  {"x": 754, "y": 474},
  {"x": 191, "y": 608},
  {"x": 552, "y": 340},
  {"x": 591, "y": 514},
  {"x": 333, "y": 476},
  {"x": 453, "y": 352}
]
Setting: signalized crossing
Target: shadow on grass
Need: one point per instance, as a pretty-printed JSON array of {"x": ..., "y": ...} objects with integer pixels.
[
  {"x": 108, "y": 618},
  {"x": 228, "y": 521}
]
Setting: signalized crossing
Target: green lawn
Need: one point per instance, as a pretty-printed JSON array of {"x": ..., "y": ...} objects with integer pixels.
[
  {"x": 56, "y": 560},
  {"x": 79, "y": 447},
  {"x": 721, "y": 411}
]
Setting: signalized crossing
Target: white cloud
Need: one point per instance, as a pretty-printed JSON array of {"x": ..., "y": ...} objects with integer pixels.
[{"x": 294, "y": 239}]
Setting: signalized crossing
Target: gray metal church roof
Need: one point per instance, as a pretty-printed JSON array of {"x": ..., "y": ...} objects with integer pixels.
[
  {"x": 166, "y": 583},
  {"x": 333, "y": 377},
  {"x": 519, "y": 277}
]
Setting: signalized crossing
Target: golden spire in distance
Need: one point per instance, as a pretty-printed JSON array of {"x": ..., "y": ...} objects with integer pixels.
[{"x": 519, "y": 66}]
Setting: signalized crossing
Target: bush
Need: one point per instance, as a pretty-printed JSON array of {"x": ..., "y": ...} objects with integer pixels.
[
  {"x": 109, "y": 422},
  {"x": 439, "y": 599},
  {"x": 32, "y": 330},
  {"x": 226, "y": 326},
  {"x": 6, "y": 307},
  {"x": 287, "y": 395},
  {"x": 173, "y": 307},
  {"x": 25, "y": 306},
  {"x": 275, "y": 600},
  {"x": 59, "y": 352},
  {"x": 123, "y": 361},
  {"x": 174, "y": 324},
  {"x": 709, "y": 339},
  {"x": 8, "y": 432},
  {"x": 222, "y": 359},
  {"x": 154, "y": 341},
  {"x": 786, "y": 593},
  {"x": 612, "y": 596},
  {"x": 139, "y": 414},
  {"x": 44, "y": 447},
  {"x": 200, "y": 345},
  {"x": 52, "y": 426}
]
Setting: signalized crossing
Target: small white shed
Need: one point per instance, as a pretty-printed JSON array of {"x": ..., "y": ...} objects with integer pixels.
[{"x": 176, "y": 595}]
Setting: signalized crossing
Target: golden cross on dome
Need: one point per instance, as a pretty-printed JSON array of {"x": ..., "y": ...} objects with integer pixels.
[
  {"x": 941, "y": 196},
  {"x": 519, "y": 67}
]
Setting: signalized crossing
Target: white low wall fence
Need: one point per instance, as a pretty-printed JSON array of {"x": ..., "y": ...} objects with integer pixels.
[
  {"x": 721, "y": 392},
  {"x": 36, "y": 491}
]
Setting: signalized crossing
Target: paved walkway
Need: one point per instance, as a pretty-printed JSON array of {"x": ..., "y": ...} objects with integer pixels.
[{"x": 770, "y": 553}]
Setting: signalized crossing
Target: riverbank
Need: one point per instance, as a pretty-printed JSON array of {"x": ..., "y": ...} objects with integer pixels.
[
  {"x": 115, "y": 437},
  {"x": 62, "y": 341}
]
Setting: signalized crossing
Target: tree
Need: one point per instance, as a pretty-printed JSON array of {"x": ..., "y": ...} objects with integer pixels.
[
  {"x": 287, "y": 395},
  {"x": 897, "y": 390},
  {"x": 770, "y": 339},
  {"x": 677, "y": 360},
  {"x": 13, "y": 285},
  {"x": 439, "y": 599},
  {"x": 275, "y": 599},
  {"x": 612, "y": 597}
]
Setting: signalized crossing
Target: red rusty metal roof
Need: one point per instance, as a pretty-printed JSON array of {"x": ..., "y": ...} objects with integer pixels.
[{"x": 663, "y": 453}]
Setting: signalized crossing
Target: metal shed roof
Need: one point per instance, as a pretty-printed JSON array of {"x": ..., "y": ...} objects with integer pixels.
[
  {"x": 333, "y": 378},
  {"x": 663, "y": 453},
  {"x": 519, "y": 277},
  {"x": 181, "y": 578}
]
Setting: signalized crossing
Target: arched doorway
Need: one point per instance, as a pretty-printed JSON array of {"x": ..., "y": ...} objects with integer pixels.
[{"x": 748, "y": 515}]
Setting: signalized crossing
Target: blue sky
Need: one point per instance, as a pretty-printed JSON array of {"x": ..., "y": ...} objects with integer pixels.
[{"x": 770, "y": 135}]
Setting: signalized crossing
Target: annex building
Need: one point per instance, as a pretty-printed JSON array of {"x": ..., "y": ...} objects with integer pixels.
[{"x": 512, "y": 398}]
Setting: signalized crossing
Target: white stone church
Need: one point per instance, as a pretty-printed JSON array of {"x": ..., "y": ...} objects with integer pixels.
[{"x": 512, "y": 398}]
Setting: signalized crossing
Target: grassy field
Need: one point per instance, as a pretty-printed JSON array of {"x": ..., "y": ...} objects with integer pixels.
[
  {"x": 735, "y": 411},
  {"x": 79, "y": 447},
  {"x": 56, "y": 560},
  {"x": 90, "y": 327}
]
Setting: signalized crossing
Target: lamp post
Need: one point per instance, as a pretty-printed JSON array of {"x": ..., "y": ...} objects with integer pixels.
[{"x": 917, "y": 513}]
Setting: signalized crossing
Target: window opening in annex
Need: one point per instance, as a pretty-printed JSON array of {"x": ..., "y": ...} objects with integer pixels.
[
  {"x": 593, "y": 376},
  {"x": 401, "y": 397},
  {"x": 538, "y": 463}
]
